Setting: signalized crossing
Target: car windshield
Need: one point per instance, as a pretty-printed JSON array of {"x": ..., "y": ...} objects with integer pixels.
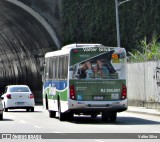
[{"x": 19, "y": 89}]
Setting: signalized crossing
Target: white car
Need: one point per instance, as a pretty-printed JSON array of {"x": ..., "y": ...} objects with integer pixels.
[
  {"x": 1, "y": 110},
  {"x": 18, "y": 97}
]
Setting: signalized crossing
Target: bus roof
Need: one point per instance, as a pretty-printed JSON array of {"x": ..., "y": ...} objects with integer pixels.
[
  {"x": 70, "y": 46},
  {"x": 66, "y": 49}
]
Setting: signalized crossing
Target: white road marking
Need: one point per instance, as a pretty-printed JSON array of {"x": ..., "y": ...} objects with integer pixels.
[
  {"x": 155, "y": 131},
  {"x": 8, "y": 115},
  {"x": 99, "y": 141},
  {"x": 56, "y": 132},
  {"x": 37, "y": 127},
  {"x": 22, "y": 121}
]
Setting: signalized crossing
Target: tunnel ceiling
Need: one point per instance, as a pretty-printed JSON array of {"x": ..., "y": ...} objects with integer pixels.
[{"x": 23, "y": 43}]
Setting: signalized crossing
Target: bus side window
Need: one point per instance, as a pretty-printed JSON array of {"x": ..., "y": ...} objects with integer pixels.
[
  {"x": 63, "y": 67},
  {"x": 51, "y": 68},
  {"x": 54, "y": 67},
  {"x": 66, "y": 67},
  {"x": 60, "y": 67}
]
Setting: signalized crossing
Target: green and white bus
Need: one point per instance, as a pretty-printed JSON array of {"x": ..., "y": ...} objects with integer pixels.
[{"x": 85, "y": 79}]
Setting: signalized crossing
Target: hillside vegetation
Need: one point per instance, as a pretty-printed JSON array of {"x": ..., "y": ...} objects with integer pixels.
[{"x": 94, "y": 21}]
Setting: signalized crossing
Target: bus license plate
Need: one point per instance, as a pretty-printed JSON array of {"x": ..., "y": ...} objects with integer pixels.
[
  {"x": 20, "y": 103},
  {"x": 98, "y": 97},
  {"x": 115, "y": 96}
]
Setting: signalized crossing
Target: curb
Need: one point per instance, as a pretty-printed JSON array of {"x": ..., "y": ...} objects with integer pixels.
[{"x": 144, "y": 111}]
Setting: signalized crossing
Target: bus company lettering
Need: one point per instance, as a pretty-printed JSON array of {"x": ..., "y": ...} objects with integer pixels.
[
  {"x": 111, "y": 90},
  {"x": 90, "y": 49},
  {"x": 102, "y": 49},
  {"x": 95, "y": 49}
]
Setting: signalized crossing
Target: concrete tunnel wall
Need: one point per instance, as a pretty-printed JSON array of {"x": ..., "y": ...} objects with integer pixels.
[
  {"x": 49, "y": 10},
  {"x": 23, "y": 44}
]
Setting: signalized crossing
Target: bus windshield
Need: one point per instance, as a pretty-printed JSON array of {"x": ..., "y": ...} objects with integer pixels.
[{"x": 97, "y": 63}]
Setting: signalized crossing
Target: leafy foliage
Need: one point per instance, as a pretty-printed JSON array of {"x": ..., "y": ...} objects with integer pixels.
[{"x": 149, "y": 51}]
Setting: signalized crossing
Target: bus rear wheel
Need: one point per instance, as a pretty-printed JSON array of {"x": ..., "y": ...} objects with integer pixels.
[
  {"x": 105, "y": 116},
  {"x": 93, "y": 115},
  {"x": 113, "y": 116},
  {"x": 70, "y": 116}
]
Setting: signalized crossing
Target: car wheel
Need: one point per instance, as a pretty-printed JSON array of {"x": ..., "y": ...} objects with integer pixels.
[
  {"x": 5, "y": 109},
  {"x": 27, "y": 109},
  {"x": 32, "y": 109},
  {"x": 1, "y": 116}
]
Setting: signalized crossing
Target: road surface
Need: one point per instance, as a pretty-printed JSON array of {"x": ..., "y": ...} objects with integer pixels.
[{"x": 20, "y": 121}]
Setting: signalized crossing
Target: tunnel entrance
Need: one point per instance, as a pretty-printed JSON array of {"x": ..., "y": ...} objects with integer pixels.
[{"x": 23, "y": 44}]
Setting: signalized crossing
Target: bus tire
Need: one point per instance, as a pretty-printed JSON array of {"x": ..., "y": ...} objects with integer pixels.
[
  {"x": 32, "y": 109},
  {"x": 27, "y": 109},
  {"x": 70, "y": 116},
  {"x": 113, "y": 116},
  {"x": 93, "y": 115},
  {"x": 105, "y": 116},
  {"x": 61, "y": 115},
  {"x": 52, "y": 114}
]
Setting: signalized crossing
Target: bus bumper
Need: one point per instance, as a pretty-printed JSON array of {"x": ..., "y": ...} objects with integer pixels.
[{"x": 90, "y": 106}]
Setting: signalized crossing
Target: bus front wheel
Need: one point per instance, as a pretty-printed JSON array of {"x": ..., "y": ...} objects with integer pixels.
[
  {"x": 52, "y": 114},
  {"x": 61, "y": 115},
  {"x": 46, "y": 101}
]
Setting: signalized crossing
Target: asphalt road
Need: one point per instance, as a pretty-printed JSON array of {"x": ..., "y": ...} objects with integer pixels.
[{"x": 20, "y": 121}]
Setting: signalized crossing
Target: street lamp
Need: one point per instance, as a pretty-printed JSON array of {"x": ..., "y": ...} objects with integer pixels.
[{"x": 117, "y": 4}]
